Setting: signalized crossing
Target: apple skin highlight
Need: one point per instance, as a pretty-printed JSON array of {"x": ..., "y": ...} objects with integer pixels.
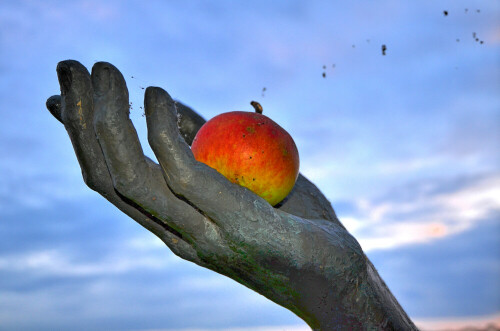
[{"x": 251, "y": 150}]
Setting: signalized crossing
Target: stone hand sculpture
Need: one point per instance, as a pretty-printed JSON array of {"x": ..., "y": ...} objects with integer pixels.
[{"x": 297, "y": 254}]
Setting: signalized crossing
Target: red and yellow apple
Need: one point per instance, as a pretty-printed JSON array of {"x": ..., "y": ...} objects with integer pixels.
[{"x": 251, "y": 150}]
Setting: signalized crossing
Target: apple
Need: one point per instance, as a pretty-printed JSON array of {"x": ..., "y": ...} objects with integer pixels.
[{"x": 251, "y": 150}]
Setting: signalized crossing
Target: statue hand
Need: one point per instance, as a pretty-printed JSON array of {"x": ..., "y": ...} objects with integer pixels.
[{"x": 297, "y": 255}]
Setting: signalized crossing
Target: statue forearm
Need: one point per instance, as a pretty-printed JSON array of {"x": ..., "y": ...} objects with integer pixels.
[
  {"x": 338, "y": 286},
  {"x": 333, "y": 285},
  {"x": 382, "y": 308},
  {"x": 368, "y": 306}
]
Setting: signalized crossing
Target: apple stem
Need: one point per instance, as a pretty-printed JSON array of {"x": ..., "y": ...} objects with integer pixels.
[{"x": 257, "y": 106}]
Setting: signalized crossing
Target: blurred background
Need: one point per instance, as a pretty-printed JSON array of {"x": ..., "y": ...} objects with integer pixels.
[{"x": 405, "y": 145}]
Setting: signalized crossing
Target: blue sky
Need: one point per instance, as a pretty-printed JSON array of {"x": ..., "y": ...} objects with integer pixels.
[{"x": 405, "y": 146}]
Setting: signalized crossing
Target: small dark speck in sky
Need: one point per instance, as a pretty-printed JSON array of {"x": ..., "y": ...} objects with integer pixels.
[
  {"x": 324, "y": 70},
  {"x": 353, "y": 46},
  {"x": 474, "y": 36},
  {"x": 478, "y": 11},
  {"x": 466, "y": 10},
  {"x": 263, "y": 91},
  {"x": 445, "y": 13},
  {"x": 458, "y": 40},
  {"x": 384, "y": 48}
]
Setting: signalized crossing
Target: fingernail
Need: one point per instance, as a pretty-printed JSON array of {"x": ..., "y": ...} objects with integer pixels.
[
  {"x": 65, "y": 77},
  {"x": 101, "y": 83}
]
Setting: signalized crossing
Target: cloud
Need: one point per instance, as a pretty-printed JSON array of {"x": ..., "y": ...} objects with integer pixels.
[
  {"x": 85, "y": 261},
  {"x": 425, "y": 112},
  {"x": 491, "y": 322},
  {"x": 457, "y": 275},
  {"x": 261, "y": 328},
  {"x": 450, "y": 324},
  {"x": 424, "y": 212},
  {"x": 57, "y": 263},
  {"x": 19, "y": 189},
  {"x": 436, "y": 324},
  {"x": 80, "y": 237}
]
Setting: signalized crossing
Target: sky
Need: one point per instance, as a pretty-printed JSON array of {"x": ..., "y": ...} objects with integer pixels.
[{"x": 405, "y": 146}]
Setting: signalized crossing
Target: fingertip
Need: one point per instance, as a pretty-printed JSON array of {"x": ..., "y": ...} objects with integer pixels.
[
  {"x": 67, "y": 71},
  {"x": 100, "y": 78},
  {"x": 53, "y": 104},
  {"x": 106, "y": 77},
  {"x": 157, "y": 94},
  {"x": 64, "y": 76},
  {"x": 71, "y": 63},
  {"x": 156, "y": 97},
  {"x": 149, "y": 97},
  {"x": 101, "y": 72},
  {"x": 151, "y": 92},
  {"x": 103, "y": 65}
]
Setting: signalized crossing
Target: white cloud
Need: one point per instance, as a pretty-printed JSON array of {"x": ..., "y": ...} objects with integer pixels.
[
  {"x": 204, "y": 283},
  {"x": 449, "y": 324},
  {"x": 146, "y": 243},
  {"x": 55, "y": 262},
  {"x": 259, "y": 328},
  {"x": 423, "y": 217},
  {"x": 491, "y": 322},
  {"x": 25, "y": 184},
  {"x": 409, "y": 165}
]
